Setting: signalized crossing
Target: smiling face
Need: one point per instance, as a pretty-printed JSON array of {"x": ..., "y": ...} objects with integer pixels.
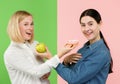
[
  {"x": 90, "y": 28},
  {"x": 26, "y": 28}
]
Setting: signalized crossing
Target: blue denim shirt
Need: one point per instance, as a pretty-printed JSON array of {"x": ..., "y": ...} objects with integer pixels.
[{"x": 92, "y": 68}]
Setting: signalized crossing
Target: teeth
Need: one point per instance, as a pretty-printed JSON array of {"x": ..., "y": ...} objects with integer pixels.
[
  {"x": 88, "y": 32},
  {"x": 28, "y": 33}
]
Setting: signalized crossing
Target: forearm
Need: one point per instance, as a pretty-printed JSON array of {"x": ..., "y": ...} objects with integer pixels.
[
  {"x": 22, "y": 64},
  {"x": 40, "y": 70}
]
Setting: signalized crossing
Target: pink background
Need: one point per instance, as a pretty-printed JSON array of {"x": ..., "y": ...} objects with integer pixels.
[{"x": 69, "y": 27}]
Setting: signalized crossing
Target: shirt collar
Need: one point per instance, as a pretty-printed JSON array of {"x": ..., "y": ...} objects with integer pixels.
[
  {"x": 21, "y": 44},
  {"x": 94, "y": 45}
]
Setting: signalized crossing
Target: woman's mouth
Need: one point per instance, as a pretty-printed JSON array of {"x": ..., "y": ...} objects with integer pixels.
[
  {"x": 88, "y": 33},
  {"x": 28, "y": 33}
]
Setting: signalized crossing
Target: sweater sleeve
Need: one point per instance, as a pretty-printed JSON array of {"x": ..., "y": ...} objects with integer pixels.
[
  {"x": 16, "y": 61},
  {"x": 53, "y": 62}
]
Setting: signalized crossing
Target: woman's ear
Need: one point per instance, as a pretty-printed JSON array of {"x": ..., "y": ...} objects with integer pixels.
[{"x": 100, "y": 24}]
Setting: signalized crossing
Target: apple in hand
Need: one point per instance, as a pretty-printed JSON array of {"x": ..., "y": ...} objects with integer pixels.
[{"x": 40, "y": 47}]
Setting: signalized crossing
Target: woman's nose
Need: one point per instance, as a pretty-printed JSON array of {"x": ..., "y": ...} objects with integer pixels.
[
  {"x": 87, "y": 28},
  {"x": 31, "y": 27}
]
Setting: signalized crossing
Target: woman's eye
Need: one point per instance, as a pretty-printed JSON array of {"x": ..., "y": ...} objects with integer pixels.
[
  {"x": 90, "y": 23},
  {"x": 25, "y": 24}
]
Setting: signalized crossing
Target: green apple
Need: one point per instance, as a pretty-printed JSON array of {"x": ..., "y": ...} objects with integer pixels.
[{"x": 40, "y": 47}]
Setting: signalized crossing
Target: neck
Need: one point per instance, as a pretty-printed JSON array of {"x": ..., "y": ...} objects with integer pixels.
[{"x": 94, "y": 40}]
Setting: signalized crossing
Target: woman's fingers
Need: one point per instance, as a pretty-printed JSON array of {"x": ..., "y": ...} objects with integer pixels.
[
  {"x": 71, "y": 44},
  {"x": 75, "y": 57},
  {"x": 74, "y": 61}
]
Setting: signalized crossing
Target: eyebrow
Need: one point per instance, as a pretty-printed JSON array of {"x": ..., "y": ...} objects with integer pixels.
[{"x": 87, "y": 22}]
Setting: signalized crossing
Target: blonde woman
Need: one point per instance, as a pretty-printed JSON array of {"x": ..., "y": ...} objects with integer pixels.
[{"x": 20, "y": 57}]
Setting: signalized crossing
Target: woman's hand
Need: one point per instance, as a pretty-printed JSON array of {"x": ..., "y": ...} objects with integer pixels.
[
  {"x": 72, "y": 58},
  {"x": 45, "y": 76},
  {"x": 46, "y": 54},
  {"x": 68, "y": 47}
]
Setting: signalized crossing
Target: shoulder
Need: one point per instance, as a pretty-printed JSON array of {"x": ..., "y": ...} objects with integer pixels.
[
  {"x": 11, "y": 52},
  {"x": 14, "y": 49},
  {"x": 99, "y": 51},
  {"x": 11, "y": 49},
  {"x": 102, "y": 54},
  {"x": 102, "y": 50}
]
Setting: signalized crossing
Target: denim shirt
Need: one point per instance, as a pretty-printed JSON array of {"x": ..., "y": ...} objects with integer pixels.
[{"x": 92, "y": 68}]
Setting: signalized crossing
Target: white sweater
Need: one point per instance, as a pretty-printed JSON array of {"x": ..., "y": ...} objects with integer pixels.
[{"x": 22, "y": 66}]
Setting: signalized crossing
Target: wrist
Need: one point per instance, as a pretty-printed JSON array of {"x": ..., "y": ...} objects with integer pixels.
[
  {"x": 49, "y": 57},
  {"x": 59, "y": 55}
]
